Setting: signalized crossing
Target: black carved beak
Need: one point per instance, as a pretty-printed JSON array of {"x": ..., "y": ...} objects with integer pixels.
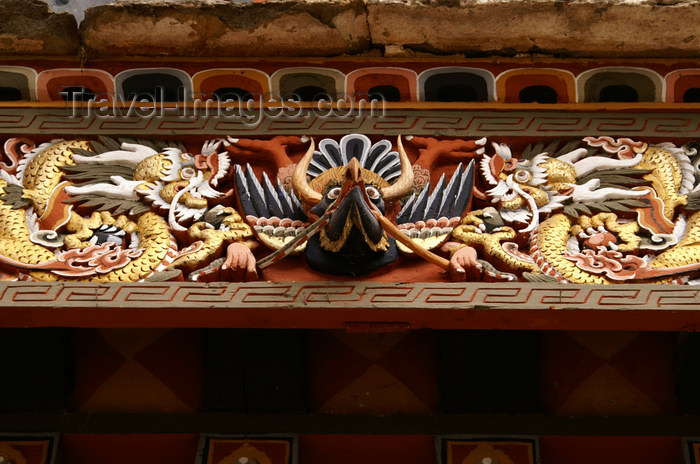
[{"x": 354, "y": 210}]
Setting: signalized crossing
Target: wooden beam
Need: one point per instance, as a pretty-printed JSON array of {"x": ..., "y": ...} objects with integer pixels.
[
  {"x": 374, "y": 306},
  {"x": 352, "y": 424}
]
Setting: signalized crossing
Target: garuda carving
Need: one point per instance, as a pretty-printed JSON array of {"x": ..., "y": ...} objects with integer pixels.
[
  {"x": 598, "y": 210},
  {"x": 354, "y": 182}
]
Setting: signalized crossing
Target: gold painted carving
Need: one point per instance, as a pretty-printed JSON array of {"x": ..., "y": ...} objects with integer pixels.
[{"x": 596, "y": 211}]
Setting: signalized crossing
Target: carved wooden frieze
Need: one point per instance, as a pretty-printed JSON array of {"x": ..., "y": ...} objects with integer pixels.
[{"x": 595, "y": 210}]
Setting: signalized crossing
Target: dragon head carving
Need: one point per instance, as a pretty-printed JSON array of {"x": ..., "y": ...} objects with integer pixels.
[
  {"x": 524, "y": 188},
  {"x": 169, "y": 178}
]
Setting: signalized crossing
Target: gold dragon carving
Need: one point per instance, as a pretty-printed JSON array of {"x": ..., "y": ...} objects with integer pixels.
[
  {"x": 601, "y": 211},
  {"x": 72, "y": 211}
]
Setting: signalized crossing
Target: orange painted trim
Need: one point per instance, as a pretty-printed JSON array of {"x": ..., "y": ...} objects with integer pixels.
[
  {"x": 77, "y": 77},
  {"x": 410, "y": 75},
  {"x": 503, "y": 79},
  {"x": 201, "y": 77},
  {"x": 674, "y": 78}
]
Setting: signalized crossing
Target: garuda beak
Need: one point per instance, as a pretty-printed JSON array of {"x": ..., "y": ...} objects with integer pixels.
[{"x": 353, "y": 209}]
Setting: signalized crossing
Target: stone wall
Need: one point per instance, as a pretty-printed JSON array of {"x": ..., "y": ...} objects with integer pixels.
[{"x": 207, "y": 28}]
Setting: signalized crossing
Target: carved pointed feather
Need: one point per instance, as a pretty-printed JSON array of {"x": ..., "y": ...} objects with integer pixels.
[
  {"x": 429, "y": 218},
  {"x": 275, "y": 215}
]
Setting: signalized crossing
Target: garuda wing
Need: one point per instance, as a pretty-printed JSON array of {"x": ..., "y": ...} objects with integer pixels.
[
  {"x": 276, "y": 216},
  {"x": 429, "y": 218}
]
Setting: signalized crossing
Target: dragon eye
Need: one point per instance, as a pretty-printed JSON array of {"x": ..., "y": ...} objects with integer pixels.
[
  {"x": 372, "y": 192},
  {"x": 333, "y": 193},
  {"x": 509, "y": 165},
  {"x": 187, "y": 173},
  {"x": 522, "y": 175}
]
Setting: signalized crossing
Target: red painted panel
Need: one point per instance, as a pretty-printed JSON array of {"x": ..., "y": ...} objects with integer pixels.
[
  {"x": 139, "y": 370},
  {"x": 372, "y": 373},
  {"x": 367, "y": 449},
  {"x": 611, "y": 373},
  {"x": 132, "y": 449},
  {"x": 604, "y": 450}
]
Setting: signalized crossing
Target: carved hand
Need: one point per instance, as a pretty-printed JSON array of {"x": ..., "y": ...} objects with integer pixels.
[
  {"x": 239, "y": 264},
  {"x": 464, "y": 265}
]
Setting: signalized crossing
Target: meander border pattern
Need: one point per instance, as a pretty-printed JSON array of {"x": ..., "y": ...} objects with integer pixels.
[
  {"x": 348, "y": 295},
  {"x": 466, "y": 123}
]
